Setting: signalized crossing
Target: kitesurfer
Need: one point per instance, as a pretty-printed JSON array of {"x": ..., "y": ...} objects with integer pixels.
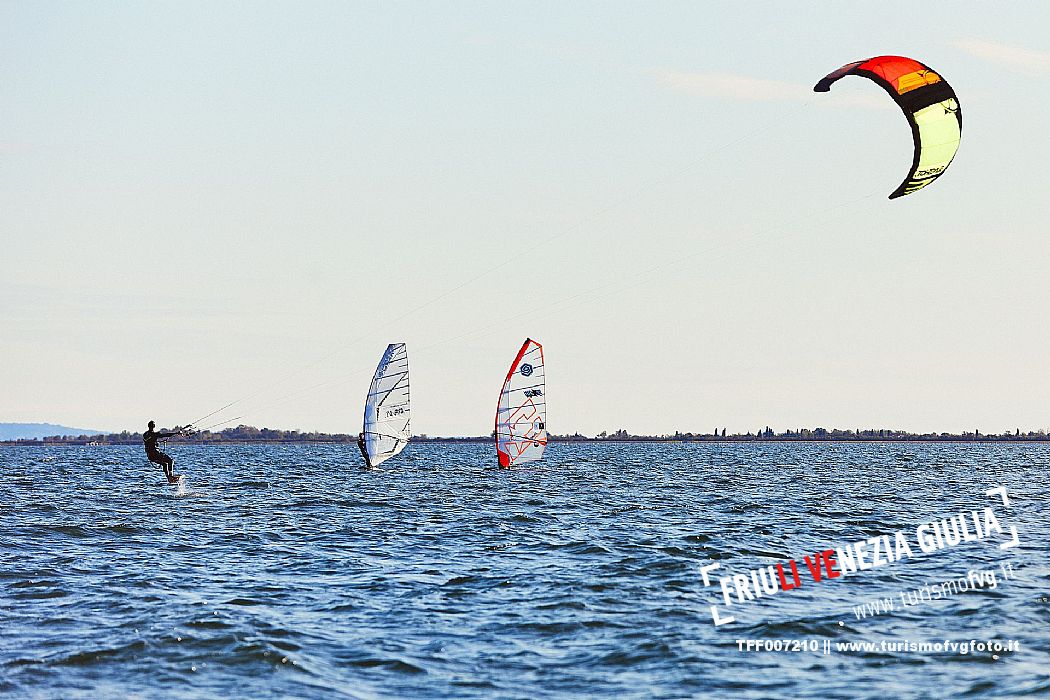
[
  {"x": 149, "y": 440},
  {"x": 364, "y": 450}
]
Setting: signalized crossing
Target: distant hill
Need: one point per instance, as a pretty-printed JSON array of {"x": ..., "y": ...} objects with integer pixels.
[{"x": 20, "y": 431}]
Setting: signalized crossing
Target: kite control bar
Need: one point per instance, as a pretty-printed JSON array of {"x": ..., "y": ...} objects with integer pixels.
[{"x": 185, "y": 431}]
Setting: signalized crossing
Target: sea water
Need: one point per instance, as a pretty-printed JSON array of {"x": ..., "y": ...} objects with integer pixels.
[{"x": 279, "y": 571}]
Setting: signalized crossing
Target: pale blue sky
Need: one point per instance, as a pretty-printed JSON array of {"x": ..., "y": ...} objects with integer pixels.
[{"x": 200, "y": 199}]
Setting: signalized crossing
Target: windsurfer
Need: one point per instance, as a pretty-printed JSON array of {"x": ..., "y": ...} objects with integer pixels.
[{"x": 364, "y": 450}]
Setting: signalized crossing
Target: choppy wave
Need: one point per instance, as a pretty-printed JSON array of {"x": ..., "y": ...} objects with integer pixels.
[{"x": 284, "y": 573}]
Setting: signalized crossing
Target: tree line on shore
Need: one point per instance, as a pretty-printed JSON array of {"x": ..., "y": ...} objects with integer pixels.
[{"x": 247, "y": 433}]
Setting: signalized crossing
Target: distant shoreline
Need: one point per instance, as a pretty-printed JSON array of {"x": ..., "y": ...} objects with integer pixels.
[
  {"x": 247, "y": 434},
  {"x": 729, "y": 439}
]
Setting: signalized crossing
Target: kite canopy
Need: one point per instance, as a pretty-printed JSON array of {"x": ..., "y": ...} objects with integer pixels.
[
  {"x": 521, "y": 416},
  {"x": 928, "y": 102}
]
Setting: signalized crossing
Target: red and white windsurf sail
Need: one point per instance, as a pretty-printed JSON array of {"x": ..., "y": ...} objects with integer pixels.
[{"x": 521, "y": 417}]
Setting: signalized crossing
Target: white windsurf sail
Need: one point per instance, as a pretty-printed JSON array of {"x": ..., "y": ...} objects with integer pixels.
[
  {"x": 521, "y": 417},
  {"x": 387, "y": 414}
]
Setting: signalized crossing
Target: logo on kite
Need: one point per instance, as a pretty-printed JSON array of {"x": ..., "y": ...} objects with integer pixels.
[
  {"x": 930, "y": 105},
  {"x": 526, "y": 369}
]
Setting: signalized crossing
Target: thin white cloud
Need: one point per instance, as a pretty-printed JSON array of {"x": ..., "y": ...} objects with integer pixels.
[
  {"x": 747, "y": 88},
  {"x": 1015, "y": 57}
]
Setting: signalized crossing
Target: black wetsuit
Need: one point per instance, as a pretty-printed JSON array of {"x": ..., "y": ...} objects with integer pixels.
[
  {"x": 149, "y": 439},
  {"x": 364, "y": 450}
]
